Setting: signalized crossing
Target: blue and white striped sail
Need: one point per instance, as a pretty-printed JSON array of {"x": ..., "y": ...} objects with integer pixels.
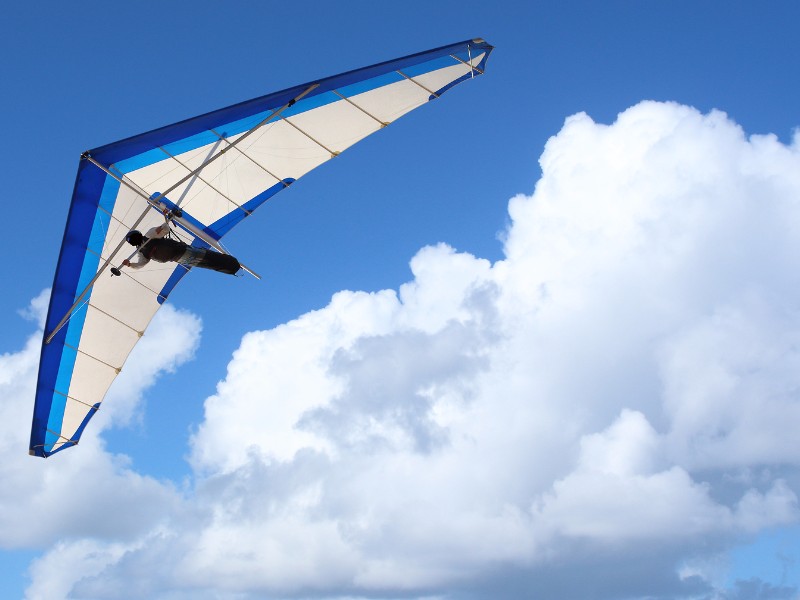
[{"x": 218, "y": 168}]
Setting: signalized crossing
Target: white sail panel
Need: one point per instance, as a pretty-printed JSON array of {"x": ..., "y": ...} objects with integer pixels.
[
  {"x": 234, "y": 176},
  {"x": 243, "y": 178},
  {"x": 336, "y": 126},
  {"x": 284, "y": 151},
  {"x": 123, "y": 300},
  {"x": 436, "y": 80},
  {"x": 393, "y": 101},
  {"x": 98, "y": 345},
  {"x": 90, "y": 380}
]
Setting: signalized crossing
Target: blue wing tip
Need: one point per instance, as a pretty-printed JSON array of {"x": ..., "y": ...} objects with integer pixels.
[{"x": 38, "y": 451}]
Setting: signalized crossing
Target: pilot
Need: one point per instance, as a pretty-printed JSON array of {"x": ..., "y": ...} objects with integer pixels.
[{"x": 155, "y": 245}]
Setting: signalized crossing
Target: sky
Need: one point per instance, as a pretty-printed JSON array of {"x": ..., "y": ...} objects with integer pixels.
[{"x": 538, "y": 339}]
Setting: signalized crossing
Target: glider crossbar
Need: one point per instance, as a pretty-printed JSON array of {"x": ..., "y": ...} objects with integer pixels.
[
  {"x": 208, "y": 183},
  {"x": 188, "y": 187},
  {"x": 154, "y": 203},
  {"x": 100, "y": 271},
  {"x": 275, "y": 113}
]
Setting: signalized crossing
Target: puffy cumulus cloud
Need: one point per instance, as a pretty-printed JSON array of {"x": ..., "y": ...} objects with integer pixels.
[
  {"x": 614, "y": 493},
  {"x": 344, "y": 367},
  {"x": 81, "y": 494},
  {"x": 616, "y": 398},
  {"x": 731, "y": 383},
  {"x": 54, "y": 575}
]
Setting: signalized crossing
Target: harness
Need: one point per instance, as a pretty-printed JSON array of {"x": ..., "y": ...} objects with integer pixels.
[{"x": 162, "y": 249}]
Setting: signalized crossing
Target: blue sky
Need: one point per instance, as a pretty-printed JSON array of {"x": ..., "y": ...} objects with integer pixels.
[{"x": 79, "y": 76}]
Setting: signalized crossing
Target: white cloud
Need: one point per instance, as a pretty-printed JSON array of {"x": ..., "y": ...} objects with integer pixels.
[
  {"x": 36, "y": 311},
  {"x": 602, "y": 388},
  {"x": 731, "y": 384},
  {"x": 615, "y": 494},
  {"x": 55, "y": 575},
  {"x": 83, "y": 491}
]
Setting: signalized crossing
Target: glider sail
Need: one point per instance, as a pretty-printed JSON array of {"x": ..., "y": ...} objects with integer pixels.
[{"x": 217, "y": 168}]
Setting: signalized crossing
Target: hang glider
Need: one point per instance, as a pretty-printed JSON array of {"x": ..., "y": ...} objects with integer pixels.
[{"x": 208, "y": 173}]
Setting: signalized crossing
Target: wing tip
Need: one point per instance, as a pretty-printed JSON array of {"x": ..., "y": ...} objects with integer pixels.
[{"x": 37, "y": 452}]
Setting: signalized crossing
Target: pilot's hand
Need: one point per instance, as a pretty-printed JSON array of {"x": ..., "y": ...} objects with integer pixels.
[{"x": 126, "y": 263}]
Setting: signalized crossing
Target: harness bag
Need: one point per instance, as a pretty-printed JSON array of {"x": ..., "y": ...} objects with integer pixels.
[{"x": 163, "y": 249}]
